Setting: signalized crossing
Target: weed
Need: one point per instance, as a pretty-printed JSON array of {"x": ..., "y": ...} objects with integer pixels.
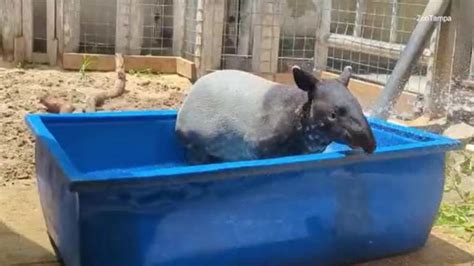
[
  {"x": 20, "y": 65},
  {"x": 85, "y": 64},
  {"x": 459, "y": 215}
]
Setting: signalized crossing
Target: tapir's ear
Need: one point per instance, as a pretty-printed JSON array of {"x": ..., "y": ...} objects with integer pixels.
[
  {"x": 345, "y": 75},
  {"x": 303, "y": 79}
]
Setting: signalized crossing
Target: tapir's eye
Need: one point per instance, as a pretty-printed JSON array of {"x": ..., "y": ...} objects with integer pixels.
[{"x": 332, "y": 116}]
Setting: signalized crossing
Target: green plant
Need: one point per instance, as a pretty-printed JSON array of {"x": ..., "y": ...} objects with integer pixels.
[
  {"x": 20, "y": 65},
  {"x": 458, "y": 215},
  {"x": 85, "y": 64}
]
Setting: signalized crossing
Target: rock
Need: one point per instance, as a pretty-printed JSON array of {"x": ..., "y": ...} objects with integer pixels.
[
  {"x": 5, "y": 111},
  {"x": 22, "y": 143},
  {"x": 461, "y": 131},
  {"x": 6, "y": 114},
  {"x": 470, "y": 147},
  {"x": 19, "y": 71},
  {"x": 425, "y": 123},
  {"x": 144, "y": 83}
]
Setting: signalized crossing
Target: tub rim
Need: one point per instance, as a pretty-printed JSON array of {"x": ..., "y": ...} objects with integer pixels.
[{"x": 424, "y": 143}]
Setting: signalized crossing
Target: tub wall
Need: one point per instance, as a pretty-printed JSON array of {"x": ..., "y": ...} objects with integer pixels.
[
  {"x": 355, "y": 212},
  {"x": 59, "y": 205}
]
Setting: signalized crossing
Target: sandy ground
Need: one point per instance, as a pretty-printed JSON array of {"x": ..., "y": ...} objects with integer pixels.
[
  {"x": 23, "y": 239},
  {"x": 20, "y": 90}
]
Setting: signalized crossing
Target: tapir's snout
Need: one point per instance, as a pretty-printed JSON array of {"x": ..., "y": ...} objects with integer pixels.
[
  {"x": 362, "y": 136},
  {"x": 366, "y": 142},
  {"x": 370, "y": 146}
]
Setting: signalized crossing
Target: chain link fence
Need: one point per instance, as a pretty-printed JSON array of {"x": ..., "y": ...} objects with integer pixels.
[
  {"x": 98, "y": 25},
  {"x": 264, "y": 36},
  {"x": 370, "y": 36},
  {"x": 157, "y": 38},
  {"x": 149, "y": 28},
  {"x": 238, "y": 36}
]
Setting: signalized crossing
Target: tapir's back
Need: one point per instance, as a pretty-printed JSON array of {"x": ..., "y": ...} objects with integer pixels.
[
  {"x": 228, "y": 112},
  {"x": 217, "y": 98}
]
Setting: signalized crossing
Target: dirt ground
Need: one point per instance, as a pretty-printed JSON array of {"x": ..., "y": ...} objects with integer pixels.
[
  {"x": 20, "y": 90},
  {"x": 23, "y": 239}
]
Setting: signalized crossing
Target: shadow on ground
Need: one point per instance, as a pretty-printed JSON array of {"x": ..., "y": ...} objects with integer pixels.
[{"x": 15, "y": 249}]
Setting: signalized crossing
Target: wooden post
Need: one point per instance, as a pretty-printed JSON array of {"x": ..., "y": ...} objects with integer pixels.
[
  {"x": 2, "y": 17},
  {"x": 52, "y": 42},
  {"x": 361, "y": 8},
  {"x": 462, "y": 18},
  {"x": 198, "y": 37},
  {"x": 464, "y": 23},
  {"x": 394, "y": 21},
  {"x": 12, "y": 27},
  {"x": 231, "y": 26},
  {"x": 245, "y": 28},
  {"x": 435, "y": 100},
  {"x": 59, "y": 27},
  {"x": 212, "y": 32},
  {"x": 19, "y": 54},
  {"x": 136, "y": 27},
  {"x": 27, "y": 12},
  {"x": 179, "y": 9},
  {"x": 431, "y": 61},
  {"x": 72, "y": 25},
  {"x": 322, "y": 36},
  {"x": 122, "y": 26},
  {"x": 266, "y": 36},
  {"x": 471, "y": 76}
]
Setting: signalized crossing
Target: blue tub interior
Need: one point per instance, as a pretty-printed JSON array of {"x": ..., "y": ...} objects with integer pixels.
[{"x": 125, "y": 142}]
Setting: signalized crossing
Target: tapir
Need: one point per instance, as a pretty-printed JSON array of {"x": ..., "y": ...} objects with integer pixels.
[{"x": 231, "y": 115}]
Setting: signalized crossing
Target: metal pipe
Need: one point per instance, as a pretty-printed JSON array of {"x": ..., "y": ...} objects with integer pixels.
[{"x": 410, "y": 55}]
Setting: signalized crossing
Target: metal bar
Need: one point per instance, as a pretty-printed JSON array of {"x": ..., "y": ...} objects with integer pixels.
[{"x": 410, "y": 55}]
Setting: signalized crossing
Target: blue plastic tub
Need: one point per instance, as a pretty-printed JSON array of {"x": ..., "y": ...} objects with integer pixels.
[{"x": 115, "y": 190}]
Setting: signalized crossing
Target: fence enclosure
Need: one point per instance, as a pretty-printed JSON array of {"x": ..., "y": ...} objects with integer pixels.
[{"x": 261, "y": 36}]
